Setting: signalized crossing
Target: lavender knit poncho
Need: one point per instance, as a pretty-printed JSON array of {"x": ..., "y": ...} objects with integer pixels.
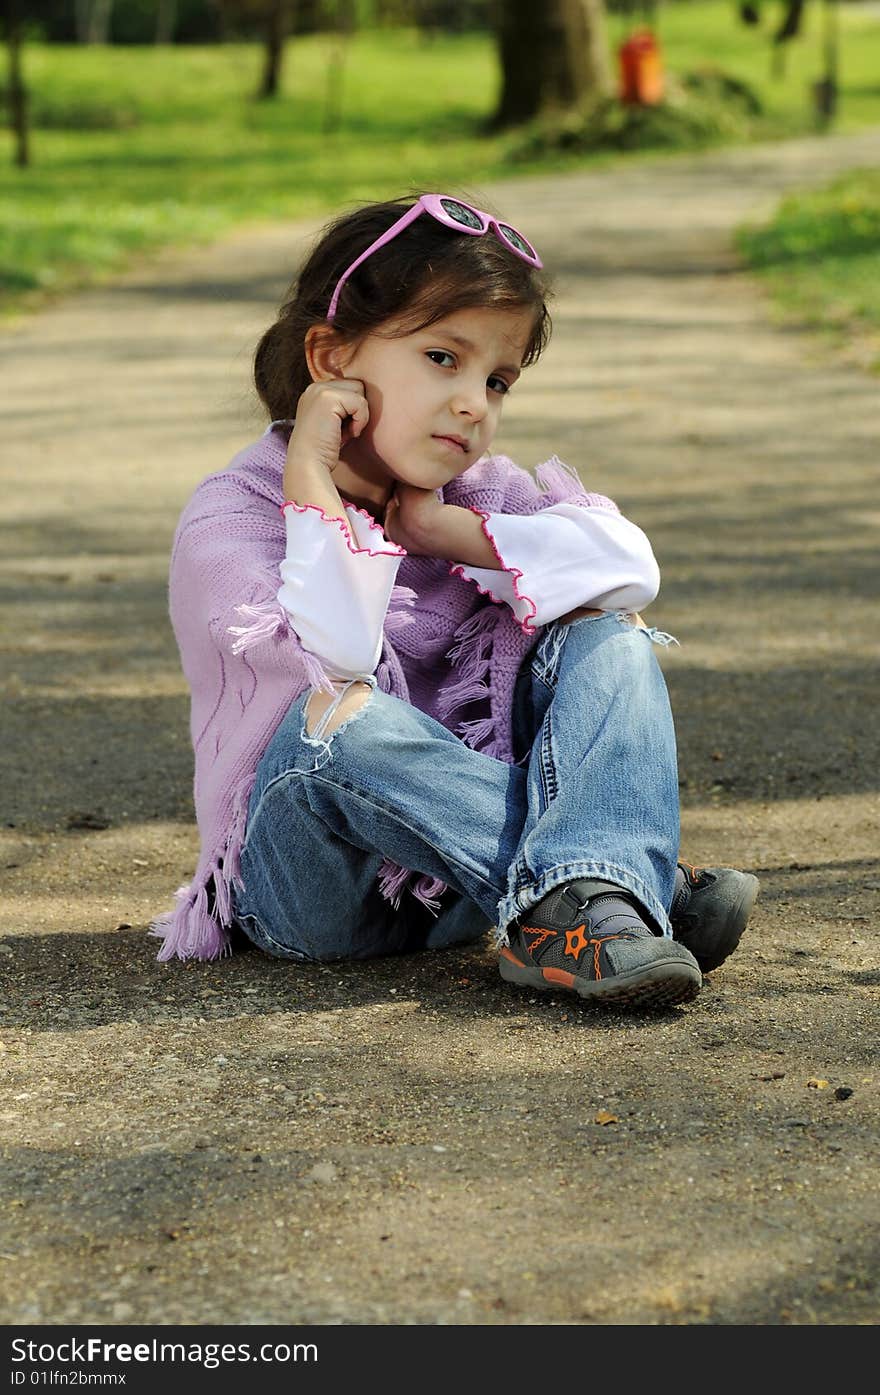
[{"x": 449, "y": 649}]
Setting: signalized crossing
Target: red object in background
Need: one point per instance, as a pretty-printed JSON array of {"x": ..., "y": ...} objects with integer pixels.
[{"x": 641, "y": 70}]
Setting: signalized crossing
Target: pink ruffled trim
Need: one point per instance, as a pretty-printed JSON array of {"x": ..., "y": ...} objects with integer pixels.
[
  {"x": 513, "y": 572},
  {"x": 393, "y": 551}
]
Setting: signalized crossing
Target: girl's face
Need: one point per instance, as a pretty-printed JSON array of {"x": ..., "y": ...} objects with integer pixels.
[{"x": 435, "y": 396}]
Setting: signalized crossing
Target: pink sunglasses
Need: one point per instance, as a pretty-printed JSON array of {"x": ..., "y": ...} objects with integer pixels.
[{"x": 452, "y": 213}]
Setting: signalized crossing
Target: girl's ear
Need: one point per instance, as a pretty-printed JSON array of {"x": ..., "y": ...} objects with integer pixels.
[{"x": 325, "y": 353}]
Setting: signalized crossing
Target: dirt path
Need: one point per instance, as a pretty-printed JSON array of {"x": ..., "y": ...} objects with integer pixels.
[{"x": 411, "y": 1141}]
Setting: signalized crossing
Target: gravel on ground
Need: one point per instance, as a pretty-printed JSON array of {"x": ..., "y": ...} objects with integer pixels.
[{"x": 411, "y": 1141}]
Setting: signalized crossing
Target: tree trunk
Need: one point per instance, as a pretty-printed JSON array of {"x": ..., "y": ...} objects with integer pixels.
[
  {"x": 17, "y": 90},
  {"x": 99, "y": 21},
  {"x": 82, "y": 12},
  {"x": 92, "y": 20},
  {"x": 345, "y": 19},
  {"x": 277, "y": 29},
  {"x": 166, "y": 20},
  {"x": 825, "y": 91},
  {"x": 554, "y": 55}
]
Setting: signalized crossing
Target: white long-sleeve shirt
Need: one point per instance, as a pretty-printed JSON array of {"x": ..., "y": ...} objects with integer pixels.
[{"x": 336, "y": 580}]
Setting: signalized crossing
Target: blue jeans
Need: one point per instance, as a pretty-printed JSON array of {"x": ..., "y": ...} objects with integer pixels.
[{"x": 596, "y": 795}]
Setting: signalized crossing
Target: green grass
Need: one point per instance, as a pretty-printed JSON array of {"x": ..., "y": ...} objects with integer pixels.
[
  {"x": 136, "y": 148},
  {"x": 820, "y": 258},
  {"x": 698, "y": 33},
  {"x": 196, "y": 154}
]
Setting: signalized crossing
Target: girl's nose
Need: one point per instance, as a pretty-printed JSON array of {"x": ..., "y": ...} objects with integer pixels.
[{"x": 471, "y": 399}]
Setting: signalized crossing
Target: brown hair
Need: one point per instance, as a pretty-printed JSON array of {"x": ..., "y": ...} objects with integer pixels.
[{"x": 427, "y": 273}]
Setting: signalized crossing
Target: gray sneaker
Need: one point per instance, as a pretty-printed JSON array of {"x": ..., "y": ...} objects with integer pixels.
[
  {"x": 710, "y": 909},
  {"x": 589, "y": 938}
]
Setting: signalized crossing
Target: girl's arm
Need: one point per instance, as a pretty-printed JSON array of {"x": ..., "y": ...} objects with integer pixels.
[
  {"x": 419, "y": 521},
  {"x": 337, "y": 579},
  {"x": 566, "y": 557},
  {"x": 314, "y": 616},
  {"x": 339, "y": 569},
  {"x": 558, "y": 548},
  {"x": 328, "y": 415}
]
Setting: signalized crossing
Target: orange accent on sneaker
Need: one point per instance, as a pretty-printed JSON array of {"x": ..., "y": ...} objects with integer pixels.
[
  {"x": 541, "y": 934},
  {"x": 694, "y": 871},
  {"x": 560, "y": 976},
  {"x": 508, "y": 954},
  {"x": 597, "y": 947},
  {"x": 576, "y": 942}
]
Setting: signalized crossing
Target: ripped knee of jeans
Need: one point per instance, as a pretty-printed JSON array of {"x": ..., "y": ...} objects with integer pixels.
[
  {"x": 581, "y": 612},
  {"x": 325, "y": 713},
  {"x": 629, "y": 617}
]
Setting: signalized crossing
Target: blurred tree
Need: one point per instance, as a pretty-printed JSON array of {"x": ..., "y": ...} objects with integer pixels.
[
  {"x": 166, "y": 20},
  {"x": 553, "y": 55},
  {"x": 791, "y": 22},
  {"x": 93, "y": 20},
  {"x": 345, "y": 17},
  {"x": 790, "y": 26},
  {"x": 273, "y": 21},
  {"x": 826, "y": 89},
  {"x": 446, "y": 16},
  {"x": 209, "y": 21},
  {"x": 278, "y": 15},
  {"x": 17, "y": 90}
]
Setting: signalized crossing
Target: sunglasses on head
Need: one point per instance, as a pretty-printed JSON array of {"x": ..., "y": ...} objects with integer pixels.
[{"x": 452, "y": 213}]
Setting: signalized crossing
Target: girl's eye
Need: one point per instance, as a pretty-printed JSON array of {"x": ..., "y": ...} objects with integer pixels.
[
  {"x": 499, "y": 385},
  {"x": 435, "y": 355}
]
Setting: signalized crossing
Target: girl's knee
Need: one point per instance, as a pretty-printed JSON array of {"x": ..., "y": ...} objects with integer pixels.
[
  {"x": 352, "y": 700},
  {"x": 616, "y": 645},
  {"x": 581, "y": 612}
]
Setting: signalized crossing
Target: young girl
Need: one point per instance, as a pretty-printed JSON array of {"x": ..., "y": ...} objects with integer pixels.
[{"x": 416, "y": 667}]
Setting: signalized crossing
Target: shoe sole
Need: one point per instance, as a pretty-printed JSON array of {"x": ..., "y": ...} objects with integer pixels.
[
  {"x": 659, "y": 985},
  {"x": 718, "y": 940}
]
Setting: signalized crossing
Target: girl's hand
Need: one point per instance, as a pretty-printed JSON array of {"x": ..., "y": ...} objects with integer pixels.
[
  {"x": 413, "y": 519},
  {"x": 328, "y": 416},
  {"x": 419, "y": 521}
]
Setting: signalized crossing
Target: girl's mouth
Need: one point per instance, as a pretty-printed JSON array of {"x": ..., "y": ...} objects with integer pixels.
[{"x": 454, "y": 442}]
